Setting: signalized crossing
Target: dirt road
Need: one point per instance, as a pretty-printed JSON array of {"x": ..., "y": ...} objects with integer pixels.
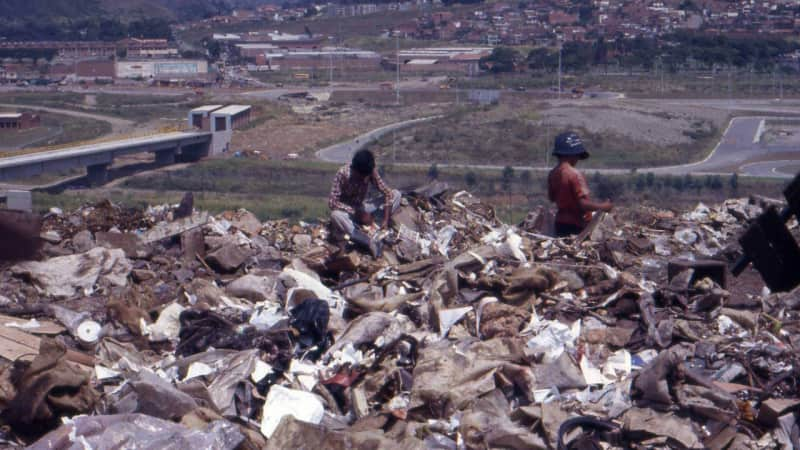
[{"x": 118, "y": 126}]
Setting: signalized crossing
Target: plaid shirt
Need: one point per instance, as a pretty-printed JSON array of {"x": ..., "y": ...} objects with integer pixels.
[{"x": 348, "y": 193}]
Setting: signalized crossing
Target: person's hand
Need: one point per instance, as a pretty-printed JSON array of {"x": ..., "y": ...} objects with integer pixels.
[{"x": 385, "y": 224}]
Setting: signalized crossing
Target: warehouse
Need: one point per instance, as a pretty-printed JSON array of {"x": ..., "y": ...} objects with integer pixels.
[
  {"x": 230, "y": 117},
  {"x": 165, "y": 68},
  {"x": 19, "y": 121},
  {"x": 200, "y": 117}
]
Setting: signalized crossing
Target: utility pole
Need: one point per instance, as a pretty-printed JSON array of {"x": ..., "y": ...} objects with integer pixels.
[
  {"x": 330, "y": 68},
  {"x": 730, "y": 91},
  {"x": 560, "y": 46},
  {"x": 397, "y": 67}
]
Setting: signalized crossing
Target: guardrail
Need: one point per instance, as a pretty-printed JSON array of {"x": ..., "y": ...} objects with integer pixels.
[{"x": 100, "y": 140}]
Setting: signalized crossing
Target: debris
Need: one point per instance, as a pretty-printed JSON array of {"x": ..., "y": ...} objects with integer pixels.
[
  {"x": 468, "y": 333},
  {"x": 282, "y": 402},
  {"x": 66, "y": 276}
]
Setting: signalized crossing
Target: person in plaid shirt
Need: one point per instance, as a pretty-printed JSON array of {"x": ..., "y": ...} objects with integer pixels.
[{"x": 348, "y": 195}]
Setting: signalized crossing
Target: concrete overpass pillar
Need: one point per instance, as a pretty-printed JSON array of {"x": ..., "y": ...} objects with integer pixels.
[
  {"x": 166, "y": 157},
  {"x": 97, "y": 174}
]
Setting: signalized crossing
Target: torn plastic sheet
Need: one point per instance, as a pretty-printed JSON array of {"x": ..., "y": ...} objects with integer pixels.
[
  {"x": 26, "y": 325},
  {"x": 260, "y": 371},
  {"x": 306, "y": 374},
  {"x": 618, "y": 365},
  {"x": 104, "y": 373},
  {"x": 552, "y": 337},
  {"x": 138, "y": 431},
  {"x": 305, "y": 281},
  {"x": 592, "y": 375},
  {"x": 198, "y": 369},
  {"x": 449, "y": 317},
  {"x": 281, "y": 401},
  {"x": 168, "y": 325},
  {"x": 266, "y": 316},
  {"x": 686, "y": 236},
  {"x": 347, "y": 355},
  {"x": 236, "y": 369},
  {"x": 443, "y": 238}
]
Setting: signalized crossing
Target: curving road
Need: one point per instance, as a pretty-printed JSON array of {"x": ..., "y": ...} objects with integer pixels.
[
  {"x": 736, "y": 151},
  {"x": 118, "y": 126},
  {"x": 342, "y": 152}
]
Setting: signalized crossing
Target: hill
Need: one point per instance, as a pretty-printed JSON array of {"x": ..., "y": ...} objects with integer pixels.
[{"x": 104, "y": 19}]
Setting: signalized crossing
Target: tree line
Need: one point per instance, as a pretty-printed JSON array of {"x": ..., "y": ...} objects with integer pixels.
[
  {"x": 670, "y": 53},
  {"x": 86, "y": 29}
]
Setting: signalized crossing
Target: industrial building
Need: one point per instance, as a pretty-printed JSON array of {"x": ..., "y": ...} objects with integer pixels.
[
  {"x": 200, "y": 118},
  {"x": 230, "y": 117},
  {"x": 84, "y": 49},
  {"x": 326, "y": 58},
  {"x": 161, "y": 68},
  {"x": 440, "y": 59},
  {"x": 19, "y": 121}
]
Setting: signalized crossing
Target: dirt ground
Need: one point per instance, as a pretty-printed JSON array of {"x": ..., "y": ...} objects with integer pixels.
[
  {"x": 648, "y": 123},
  {"x": 782, "y": 133},
  {"x": 620, "y": 133},
  {"x": 319, "y": 124}
]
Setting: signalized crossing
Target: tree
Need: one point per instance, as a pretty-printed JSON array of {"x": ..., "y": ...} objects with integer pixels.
[
  {"x": 525, "y": 178},
  {"x": 651, "y": 179},
  {"x": 540, "y": 58},
  {"x": 502, "y": 59},
  {"x": 433, "y": 172},
  {"x": 508, "y": 177},
  {"x": 601, "y": 52},
  {"x": 734, "y": 182},
  {"x": 641, "y": 182},
  {"x": 471, "y": 179}
]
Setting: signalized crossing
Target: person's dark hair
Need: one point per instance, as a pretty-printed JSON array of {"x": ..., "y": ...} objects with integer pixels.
[{"x": 363, "y": 162}]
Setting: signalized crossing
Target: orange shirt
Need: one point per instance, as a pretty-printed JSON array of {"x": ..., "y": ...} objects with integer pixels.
[{"x": 566, "y": 186}]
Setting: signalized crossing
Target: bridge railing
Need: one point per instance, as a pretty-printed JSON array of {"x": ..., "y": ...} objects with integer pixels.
[{"x": 100, "y": 140}]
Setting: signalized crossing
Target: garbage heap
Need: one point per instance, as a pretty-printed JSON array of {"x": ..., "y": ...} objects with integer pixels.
[{"x": 165, "y": 328}]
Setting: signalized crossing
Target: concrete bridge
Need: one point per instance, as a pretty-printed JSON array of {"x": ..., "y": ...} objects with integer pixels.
[
  {"x": 168, "y": 148},
  {"x": 211, "y": 128}
]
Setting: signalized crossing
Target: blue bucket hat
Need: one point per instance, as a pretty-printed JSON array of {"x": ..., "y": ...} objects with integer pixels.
[{"x": 569, "y": 143}]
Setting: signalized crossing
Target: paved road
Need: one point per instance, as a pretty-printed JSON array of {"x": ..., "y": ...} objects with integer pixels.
[
  {"x": 118, "y": 126},
  {"x": 771, "y": 169},
  {"x": 739, "y": 144},
  {"x": 343, "y": 152}
]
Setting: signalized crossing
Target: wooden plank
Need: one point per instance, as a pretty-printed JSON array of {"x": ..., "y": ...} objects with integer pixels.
[
  {"x": 45, "y": 326},
  {"x": 15, "y": 343}
]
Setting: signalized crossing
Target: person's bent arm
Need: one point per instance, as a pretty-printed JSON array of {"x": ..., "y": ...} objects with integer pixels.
[
  {"x": 588, "y": 205},
  {"x": 387, "y": 198}
]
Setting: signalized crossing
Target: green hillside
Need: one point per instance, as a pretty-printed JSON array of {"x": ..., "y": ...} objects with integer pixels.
[{"x": 104, "y": 19}]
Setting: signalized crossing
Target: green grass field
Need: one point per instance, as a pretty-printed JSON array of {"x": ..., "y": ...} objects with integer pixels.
[
  {"x": 56, "y": 129},
  {"x": 298, "y": 190},
  {"x": 139, "y": 108}
]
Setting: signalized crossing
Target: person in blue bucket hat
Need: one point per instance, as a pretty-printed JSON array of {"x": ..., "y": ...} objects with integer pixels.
[{"x": 567, "y": 188}]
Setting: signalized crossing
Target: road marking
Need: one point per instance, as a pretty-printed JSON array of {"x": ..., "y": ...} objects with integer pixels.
[{"x": 759, "y": 131}]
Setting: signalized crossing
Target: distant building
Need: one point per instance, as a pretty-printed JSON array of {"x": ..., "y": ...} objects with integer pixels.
[
  {"x": 19, "y": 121},
  {"x": 148, "y": 48},
  {"x": 95, "y": 69},
  {"x": 161, "y": 68},
  {"x": 200, "y": 117}
]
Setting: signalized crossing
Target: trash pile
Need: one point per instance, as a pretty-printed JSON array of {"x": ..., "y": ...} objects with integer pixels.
[{"x": 171, "y": 328}]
